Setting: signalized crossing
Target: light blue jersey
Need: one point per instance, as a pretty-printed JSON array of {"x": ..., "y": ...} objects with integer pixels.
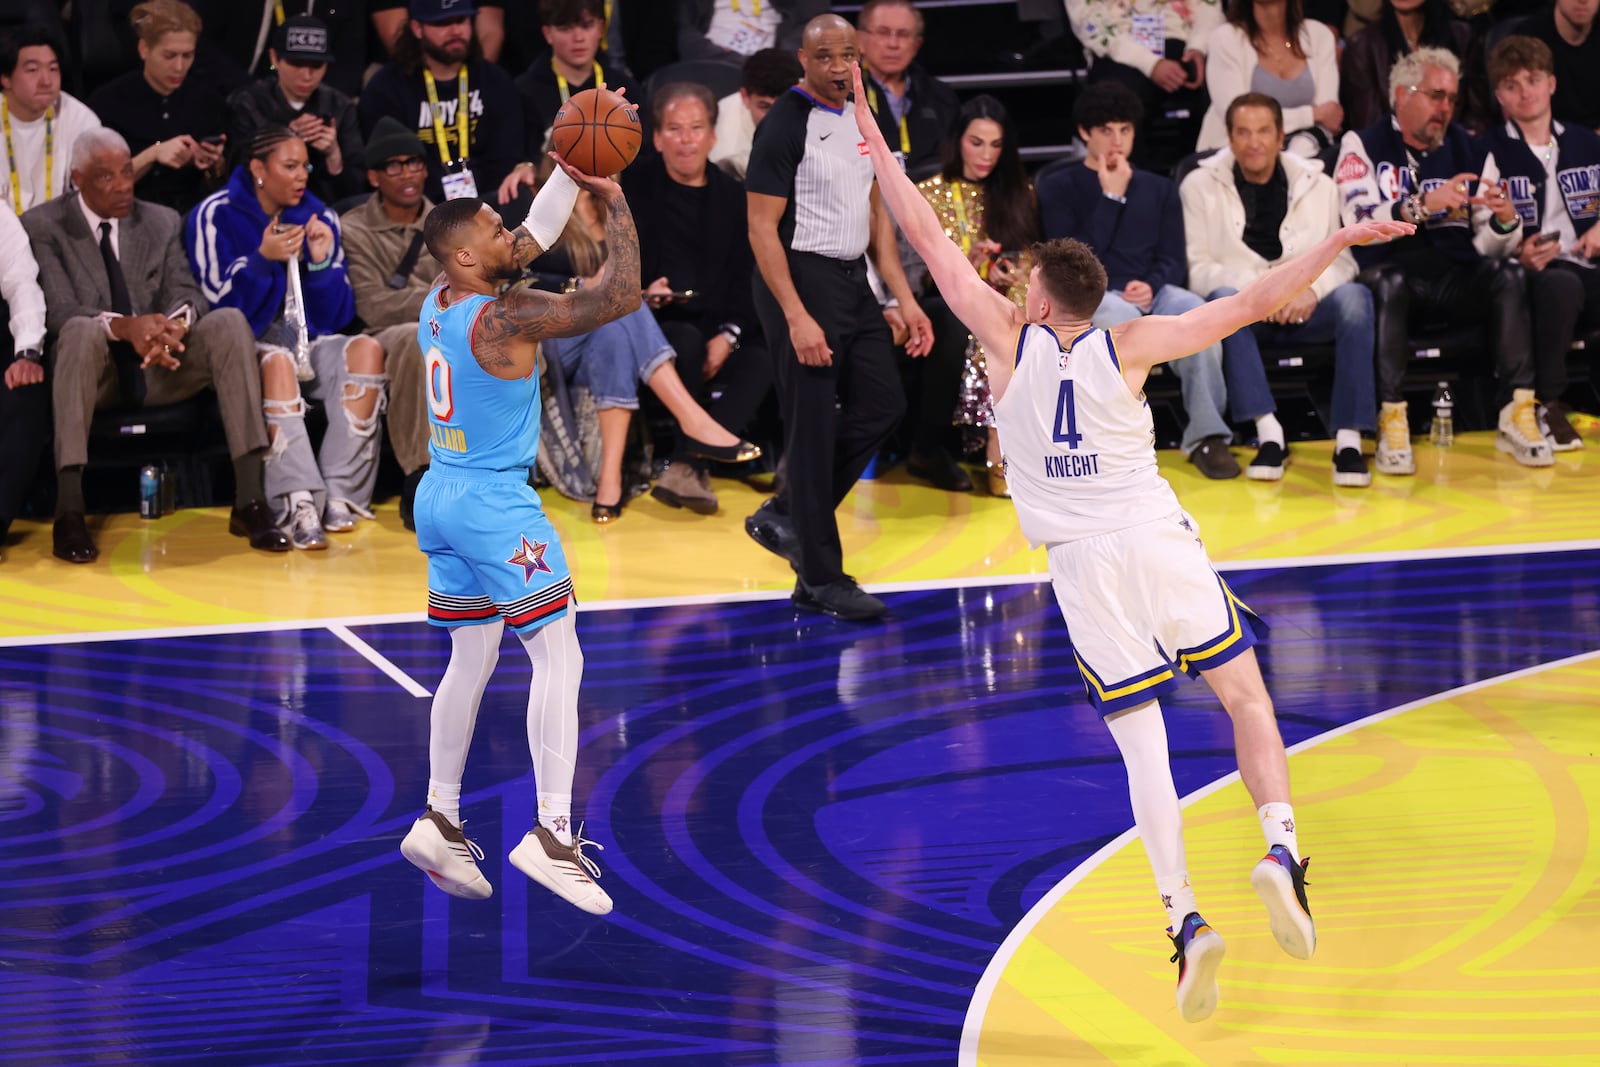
[{"x": 475, "y": 420}]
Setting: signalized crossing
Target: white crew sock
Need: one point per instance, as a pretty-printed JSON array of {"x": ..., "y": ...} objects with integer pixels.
[
  {"x": 1343, "y": 439},
  {"x": 1268, "y": 428},
  {"x": 1277, "y": 823}
]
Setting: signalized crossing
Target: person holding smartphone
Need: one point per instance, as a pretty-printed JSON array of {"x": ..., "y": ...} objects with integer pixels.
[
  {"x": 295, "y": 94},
  {"x": 174, "y": 125},
  {"x": 1548, "y": 168}
]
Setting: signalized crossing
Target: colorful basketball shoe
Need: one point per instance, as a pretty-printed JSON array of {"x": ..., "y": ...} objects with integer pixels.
[
  {"x": 1280, "y": 882},
  {"x": 562, "y": 869},
  {"x": 1199, "y": 953},
  {"x": 446, "y": 856}
]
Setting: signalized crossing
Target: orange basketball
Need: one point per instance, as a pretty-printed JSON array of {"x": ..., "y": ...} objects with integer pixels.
[{"x": 597, "y": 131}]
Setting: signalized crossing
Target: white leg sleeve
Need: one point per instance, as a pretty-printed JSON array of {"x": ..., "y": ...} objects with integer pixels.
[
  {"x": 1141, "y": 735},
  {"x": 473, "y": 652},
  {"x": 553, "y": 704}
]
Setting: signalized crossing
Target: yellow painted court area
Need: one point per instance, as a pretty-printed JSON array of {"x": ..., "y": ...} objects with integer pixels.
[
  {"x": 184, "y": 570},
  {"x": 1454, "y": 880}
]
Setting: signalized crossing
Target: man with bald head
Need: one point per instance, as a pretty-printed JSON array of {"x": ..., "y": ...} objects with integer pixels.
[{"x": 814, "y": 212}]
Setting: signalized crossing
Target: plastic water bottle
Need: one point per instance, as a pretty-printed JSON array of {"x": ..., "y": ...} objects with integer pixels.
[{"x": 1443, "y": 431}]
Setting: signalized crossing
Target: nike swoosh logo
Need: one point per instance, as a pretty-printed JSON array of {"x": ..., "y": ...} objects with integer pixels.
[{"x": 825, "y": 136}]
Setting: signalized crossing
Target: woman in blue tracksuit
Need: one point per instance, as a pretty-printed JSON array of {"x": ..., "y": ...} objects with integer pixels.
[{"x": 241, "y": 240}]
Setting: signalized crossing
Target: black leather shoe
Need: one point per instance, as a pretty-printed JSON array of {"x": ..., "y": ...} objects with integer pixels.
[
  {"x": 255, "y": 522},
  {"x": 605, "y": 514},
  {"x": 71, "y": 539},
  {"x": 775, "y": 533},
  {"x": 408, "y": 498},
  {"x": 736, "y": 453},
  {"x": 941, "y": 469},
  {"x": 842, "y": 598}
]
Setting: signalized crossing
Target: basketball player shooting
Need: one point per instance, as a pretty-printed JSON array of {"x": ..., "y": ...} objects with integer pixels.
[
  {"x": 1141, "y": 599},
  {"x": 493, "y": 557}
]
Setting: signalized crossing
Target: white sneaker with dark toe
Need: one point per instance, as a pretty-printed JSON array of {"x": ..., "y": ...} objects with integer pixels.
[
  {"x": 444, "y": 854},
  {"x": 562, "y": 869}
]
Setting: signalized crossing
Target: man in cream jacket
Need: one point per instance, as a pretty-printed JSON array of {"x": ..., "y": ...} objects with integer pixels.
[{"x": 1252, "y": 206}]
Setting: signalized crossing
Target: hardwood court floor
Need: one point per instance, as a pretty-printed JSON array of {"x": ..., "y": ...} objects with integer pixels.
[{"x": 905, "y": 843}]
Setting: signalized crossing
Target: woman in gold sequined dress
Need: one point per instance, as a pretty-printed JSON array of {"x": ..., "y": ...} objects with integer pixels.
[{"x": 987, "y": 206}]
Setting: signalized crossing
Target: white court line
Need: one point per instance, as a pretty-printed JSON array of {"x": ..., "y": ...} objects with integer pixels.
[
  {"x": 380, "y": 661},
  {"x": 984, "y": 991},
  {"x": 778, "y": 594}
]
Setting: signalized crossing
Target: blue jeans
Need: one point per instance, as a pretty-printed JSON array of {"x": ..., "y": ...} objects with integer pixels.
[
  {"x": 614, "y": 360},
  {"x": 1345, "y": 317},
  {"x": 1205, "y": 391}
]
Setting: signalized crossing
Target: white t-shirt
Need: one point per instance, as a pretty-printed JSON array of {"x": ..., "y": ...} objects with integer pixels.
[
  {"x": 744, "y": 26},
  {"x": 1079, "y": 447},
  {"x": 72, "y": 119},
  {"x": 1555, "y": 207}
]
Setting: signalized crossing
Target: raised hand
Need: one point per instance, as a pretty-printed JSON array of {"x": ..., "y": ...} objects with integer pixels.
[{"x": 1376, "y": 231}]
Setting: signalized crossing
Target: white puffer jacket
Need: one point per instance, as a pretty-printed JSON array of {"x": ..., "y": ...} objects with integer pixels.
[{"x": 1213, "y": 224}]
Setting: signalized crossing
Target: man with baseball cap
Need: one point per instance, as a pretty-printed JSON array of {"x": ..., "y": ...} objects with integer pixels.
[
  {"x": 466, "y": 111},
  {"x": 294, "y": 94},
  {"x": 391, "y": 272}
]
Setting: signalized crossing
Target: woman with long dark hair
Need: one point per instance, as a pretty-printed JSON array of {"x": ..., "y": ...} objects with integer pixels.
[
  {"x": 987, "y": 206},
  {"x": 1270, "y": 47},
  {"x": 1403, "y": 26}
]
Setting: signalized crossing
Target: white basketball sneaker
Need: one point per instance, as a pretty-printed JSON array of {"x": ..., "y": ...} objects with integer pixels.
[
  {"x": 562, "y": 869},
  {"x": 446, "y": 856}
]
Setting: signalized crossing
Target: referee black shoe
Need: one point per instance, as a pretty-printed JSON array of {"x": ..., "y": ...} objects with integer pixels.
[
  {"x": 842, "y": 598},
  {"x": 774, "y": 532}
]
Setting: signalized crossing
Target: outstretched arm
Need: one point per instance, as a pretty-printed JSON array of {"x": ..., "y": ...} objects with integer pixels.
[
  {"x": 506, "y": 336},
  {"x": 992, "y": 318},
  {"x": 1154, "y": 339}
]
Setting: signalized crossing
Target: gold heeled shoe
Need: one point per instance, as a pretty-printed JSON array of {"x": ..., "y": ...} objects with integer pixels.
[
  {"x": 997, "y": 478},
  {"x": 605, "y": 513}
]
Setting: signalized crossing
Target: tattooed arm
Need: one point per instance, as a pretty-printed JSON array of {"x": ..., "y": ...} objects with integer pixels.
[{"x": 505, "y": 339}]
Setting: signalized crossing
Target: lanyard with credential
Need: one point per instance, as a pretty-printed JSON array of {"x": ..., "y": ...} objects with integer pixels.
[
  {"x": 566, "y": 89},
  {"x": 49, "y": 154},
  {"x": 755, "y": 6},
  {"x": 905, "y": 135},
  {"x": 462, "y": 98}
]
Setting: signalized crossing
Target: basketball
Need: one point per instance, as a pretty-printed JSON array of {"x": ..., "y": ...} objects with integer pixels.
[{"x": 597, "y": 131}]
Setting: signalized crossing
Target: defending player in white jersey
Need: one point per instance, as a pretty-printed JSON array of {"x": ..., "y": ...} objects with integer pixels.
[{"x": 1140, "y": 597}]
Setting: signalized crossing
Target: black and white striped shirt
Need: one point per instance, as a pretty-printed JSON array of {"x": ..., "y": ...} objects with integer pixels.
[{"x": 813, "y": 156}]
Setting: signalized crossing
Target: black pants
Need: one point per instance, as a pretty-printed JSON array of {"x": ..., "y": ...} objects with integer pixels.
[
  {"x": 934, "y": 380},
  {"x": 1423, "y": 284},
  {"x": 24, "y": 439},
  {"x": 743, "y": 381},
  {"x": 1171, "y": 120},
  {"x": 834, "y": 417},
  {"x": 1561, "y": 297}
]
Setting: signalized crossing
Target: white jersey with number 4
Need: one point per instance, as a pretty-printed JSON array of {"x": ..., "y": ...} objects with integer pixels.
[{"x": 1079, "y": 446}]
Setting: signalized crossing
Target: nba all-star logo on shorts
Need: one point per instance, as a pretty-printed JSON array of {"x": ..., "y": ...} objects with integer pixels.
[{"x": 530, "y": 557}]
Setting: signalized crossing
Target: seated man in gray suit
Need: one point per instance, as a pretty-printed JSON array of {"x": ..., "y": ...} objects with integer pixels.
[{"x": 132, "y": 329}]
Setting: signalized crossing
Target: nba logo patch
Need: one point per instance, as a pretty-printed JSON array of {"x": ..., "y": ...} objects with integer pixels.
[{"x": 1061, "y": 360}]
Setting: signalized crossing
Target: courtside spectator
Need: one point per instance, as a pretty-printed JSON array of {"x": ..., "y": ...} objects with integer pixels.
[
  {"x": 764, "y": 76},
  {"x": 42, "y": 123},
  {"x": 914, "y": 109}
]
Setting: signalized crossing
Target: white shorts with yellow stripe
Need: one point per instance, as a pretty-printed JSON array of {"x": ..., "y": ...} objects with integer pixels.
[{"x": 1144, "y": 604}]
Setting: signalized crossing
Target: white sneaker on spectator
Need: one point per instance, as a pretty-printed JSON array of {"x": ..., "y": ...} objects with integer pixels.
[
  {"x": 304, "y": 528},
  {"x": 1394, "y": 440},
  {"x": 1520, "y": 436},
  {"x": 337, "y": 517}
]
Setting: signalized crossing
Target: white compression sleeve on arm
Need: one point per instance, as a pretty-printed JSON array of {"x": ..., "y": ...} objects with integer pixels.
[{"x": 551, "y": 209}]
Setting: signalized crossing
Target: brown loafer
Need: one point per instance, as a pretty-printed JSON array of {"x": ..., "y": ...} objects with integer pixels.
[
  {"x": 70, "y": 539},
  {"x": 254, "y": 521}
]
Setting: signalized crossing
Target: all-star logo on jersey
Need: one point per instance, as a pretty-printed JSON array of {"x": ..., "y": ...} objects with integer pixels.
[
  {"x": 433, "y": 328},
  {"x": 530, "y": 557}
]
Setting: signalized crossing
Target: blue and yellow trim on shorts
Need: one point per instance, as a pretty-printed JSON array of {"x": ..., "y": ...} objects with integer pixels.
[{"x": 1239, "y": 635}]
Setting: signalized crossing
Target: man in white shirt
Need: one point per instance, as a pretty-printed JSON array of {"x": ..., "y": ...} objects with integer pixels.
[
  {"x": 41, "y": 123},
  {"x": 24, "y": 404}
]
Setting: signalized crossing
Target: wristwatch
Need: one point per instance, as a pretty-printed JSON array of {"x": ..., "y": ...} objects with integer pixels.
[
  {"x": 732, "y": 331},
  {"x": 32, "y": 355}
]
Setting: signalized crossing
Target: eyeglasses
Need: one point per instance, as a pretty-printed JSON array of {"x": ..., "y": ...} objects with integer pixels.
[
  {"x": 887, "y": 34},
  {"x": 396, "y": 167},
  {"x": 1438, "y": 96}
]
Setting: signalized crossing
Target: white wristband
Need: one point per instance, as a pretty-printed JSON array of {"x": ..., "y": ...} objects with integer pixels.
[{"x": 551, "y": 209}]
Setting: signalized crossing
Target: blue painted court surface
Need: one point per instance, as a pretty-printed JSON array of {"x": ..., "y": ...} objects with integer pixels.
[{"x": 816, "y": 834}]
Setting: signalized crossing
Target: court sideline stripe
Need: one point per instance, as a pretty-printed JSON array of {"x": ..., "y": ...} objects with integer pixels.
[
  {"x": 279, "y": 625},
  {"x": 972, "y": 1026},
  {"x": 380, "y": 661}
]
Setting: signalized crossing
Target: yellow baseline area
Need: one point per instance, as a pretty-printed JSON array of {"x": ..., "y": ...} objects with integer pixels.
[
  {"x": 184, "y": 570},
  {"x": 1453, "y": 881}
]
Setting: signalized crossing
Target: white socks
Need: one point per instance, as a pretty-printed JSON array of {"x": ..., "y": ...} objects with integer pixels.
[
  {"x": 1268, "y": 428},
  {"x": 445, "y": 798},
  {"x": 553, "y": 719},
  {"x": 1343, "y": 439},
  {"x": 1141, "y": 736},
  {"x": 1277, "y": 823},
  {"x": 473, "y": 652}
]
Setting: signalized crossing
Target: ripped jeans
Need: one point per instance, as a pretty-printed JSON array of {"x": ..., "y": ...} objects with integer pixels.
[{"x": 346, "y": 466}]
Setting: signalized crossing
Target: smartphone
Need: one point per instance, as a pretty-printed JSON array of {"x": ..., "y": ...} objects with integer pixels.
[
  {"x": 1546, "y": 237},
  {"x": 682, "y": 294}
]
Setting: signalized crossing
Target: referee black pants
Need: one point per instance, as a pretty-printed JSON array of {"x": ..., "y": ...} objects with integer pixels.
[{"x": 835, "y": 417}]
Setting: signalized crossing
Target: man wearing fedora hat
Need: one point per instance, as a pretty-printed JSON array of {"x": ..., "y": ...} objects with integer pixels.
[
  {"x": 466, "y": 111},
  {"x": 391, "y": 272},
  {"x": 295, "y": 94}
]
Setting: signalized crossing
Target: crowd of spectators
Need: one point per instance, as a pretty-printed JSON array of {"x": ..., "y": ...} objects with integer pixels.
[{"x": 239, "y": 208}]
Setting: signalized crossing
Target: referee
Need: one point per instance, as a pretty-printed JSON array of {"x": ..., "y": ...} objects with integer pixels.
[{"x": 814, "y": 210}]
